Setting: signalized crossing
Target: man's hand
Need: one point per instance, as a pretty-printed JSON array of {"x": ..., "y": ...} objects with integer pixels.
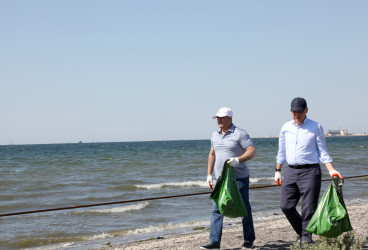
[
  {"x": 233, "y": 162},
  {"x": 278, "y": 179},
  {"x": 335, "y": 173},
  {"x": 210, "y": 181}
]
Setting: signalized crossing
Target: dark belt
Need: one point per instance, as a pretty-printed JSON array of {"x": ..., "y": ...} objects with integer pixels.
[{"x": 303, "y": 166}]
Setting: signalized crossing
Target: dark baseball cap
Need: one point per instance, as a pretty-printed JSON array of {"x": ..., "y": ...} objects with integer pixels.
[{"x": 298, "y": 104}]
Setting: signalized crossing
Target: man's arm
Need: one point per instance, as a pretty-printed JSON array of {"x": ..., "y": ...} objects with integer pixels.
[
  {"x": 278, "y": 166},
  {"x": 211, "y": 164},
  {"x": 278, "y": 178},
  {"x": 324, "y": 155},
  {"x": 280, "y": 158},
  {"x": 249, "y": 154},
  {"x": 211, "y": 161},
  {"x": 332, "y": 171}
]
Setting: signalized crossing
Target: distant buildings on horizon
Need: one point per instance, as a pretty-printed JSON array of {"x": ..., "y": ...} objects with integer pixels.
[{"x": 343, "y": 132}]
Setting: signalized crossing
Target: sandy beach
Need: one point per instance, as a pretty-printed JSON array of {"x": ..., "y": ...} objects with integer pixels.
[{"x": 270, "y": 234}]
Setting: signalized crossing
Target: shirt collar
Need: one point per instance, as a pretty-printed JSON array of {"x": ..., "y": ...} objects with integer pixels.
[
  {"x": 231, "y": 130},
  {"x": 304, "y": 122}
]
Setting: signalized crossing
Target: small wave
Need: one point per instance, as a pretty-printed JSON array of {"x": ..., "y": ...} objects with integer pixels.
[
  {"x": 170, "y": 226},
  {"x": 257, "y": 180},
  {"x": 122, "y": 209},
  {"x": 173, "y": 184},
  {"x": 52, "y": 247},
  {"x": 200, "y": 223},
  {"x": 99, "y": 236},
  {"x": 194, "y": 184}
]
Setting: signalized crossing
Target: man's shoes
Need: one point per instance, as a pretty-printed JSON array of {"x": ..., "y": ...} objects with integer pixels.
[
  {"x": 211, "y": 246},
  {"x": 247, "y": 244}
]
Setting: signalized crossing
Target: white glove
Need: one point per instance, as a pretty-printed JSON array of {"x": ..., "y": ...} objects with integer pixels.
[
  {"x": 210, "y": 181},
  {"x": 335, "y": 173},
  {"x": 233, "y": 162},
  {"x": 278, "y": 179}
]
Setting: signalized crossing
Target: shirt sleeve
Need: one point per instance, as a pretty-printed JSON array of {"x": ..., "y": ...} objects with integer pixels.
[
  {"x": 245, "y": 140},
  {"x": 324, "y": 156},
  {"x": 281, "y": 154}
]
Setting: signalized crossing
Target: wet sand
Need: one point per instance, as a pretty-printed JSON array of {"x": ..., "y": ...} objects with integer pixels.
[{"x": 270, "y": 234}]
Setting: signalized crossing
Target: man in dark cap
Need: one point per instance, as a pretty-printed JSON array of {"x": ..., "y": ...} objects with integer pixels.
[{"x": 302, "y": 145}]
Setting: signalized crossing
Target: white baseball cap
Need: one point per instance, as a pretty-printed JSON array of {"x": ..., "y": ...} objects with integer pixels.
[{"x": 222, "y": 112}]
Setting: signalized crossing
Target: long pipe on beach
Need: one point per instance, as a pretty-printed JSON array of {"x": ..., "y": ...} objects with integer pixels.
[{"x": 144, "y": 199}]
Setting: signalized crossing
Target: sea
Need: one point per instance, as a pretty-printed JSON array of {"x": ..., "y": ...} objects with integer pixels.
[{"x": 48, "y": 176}]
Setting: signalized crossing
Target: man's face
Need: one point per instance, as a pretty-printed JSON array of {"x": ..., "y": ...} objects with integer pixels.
[
  {"x": 224, "y": 122},
  {"x": 299, "y": 116}
]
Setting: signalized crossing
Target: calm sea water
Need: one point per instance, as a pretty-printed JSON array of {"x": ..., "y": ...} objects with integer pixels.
[{"x": 37, "y": 177}]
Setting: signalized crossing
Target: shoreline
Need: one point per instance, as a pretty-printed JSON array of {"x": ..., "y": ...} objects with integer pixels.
[{"x": 270, "y": 234}]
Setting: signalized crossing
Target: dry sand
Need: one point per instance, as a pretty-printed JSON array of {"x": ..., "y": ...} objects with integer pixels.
[{"x": 271, "y": 234}]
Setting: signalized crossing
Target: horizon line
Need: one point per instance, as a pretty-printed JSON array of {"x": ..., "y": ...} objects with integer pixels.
[{"x": 92, "y": 142}]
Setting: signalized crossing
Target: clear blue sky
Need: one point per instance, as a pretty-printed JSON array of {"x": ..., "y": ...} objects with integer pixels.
[{"x": 158, "y": 70}]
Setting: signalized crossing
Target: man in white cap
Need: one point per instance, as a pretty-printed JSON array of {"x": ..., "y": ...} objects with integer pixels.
[{"x": 235, "y": 146}]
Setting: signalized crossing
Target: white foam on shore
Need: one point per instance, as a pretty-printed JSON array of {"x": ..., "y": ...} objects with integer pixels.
[
  {"x": 174, "y": 184},
  {"x": 103, "y": 235},
  {"x": 52, "y": 247},
  {"x": 122, "y": 209},
  {"x": 200, "y": 223},
  {"x": 201, "y": 183},
  {"x": 256, "y": 180},
  {"x": 164, "y": 227},
  {"x": 185, "y": 227}
]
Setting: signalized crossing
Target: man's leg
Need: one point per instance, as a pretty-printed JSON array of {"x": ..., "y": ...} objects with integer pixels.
[
  {"x": 290, "y": 196},
  {"x": 216, "y": 225},
  {"x": 309, "y": 182},
  {"x": 247, "y": 221}
]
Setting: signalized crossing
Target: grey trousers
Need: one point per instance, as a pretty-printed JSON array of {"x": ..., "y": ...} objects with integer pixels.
[{"x": 302, "y": 183}]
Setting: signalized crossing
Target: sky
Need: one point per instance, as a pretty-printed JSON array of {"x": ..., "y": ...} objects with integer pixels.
[{"x": 113, "y": 71}]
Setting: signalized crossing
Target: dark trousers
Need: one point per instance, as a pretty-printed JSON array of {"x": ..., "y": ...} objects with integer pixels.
[{"x": 302, "y": 183}]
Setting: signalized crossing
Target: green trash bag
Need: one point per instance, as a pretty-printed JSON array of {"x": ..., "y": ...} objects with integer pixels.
[
  {"x": 226, "y": 194},
  {"x": 331, "y": 218}
]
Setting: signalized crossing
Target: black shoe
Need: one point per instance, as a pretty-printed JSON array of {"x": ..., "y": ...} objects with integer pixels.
[
  {"x": 211, "y": 246},
  {"x": 247, "y": 244}
]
